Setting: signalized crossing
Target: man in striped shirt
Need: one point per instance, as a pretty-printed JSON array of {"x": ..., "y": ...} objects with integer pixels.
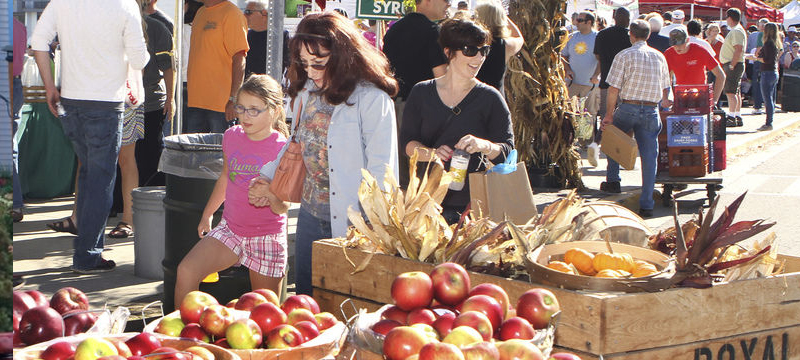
[{"x": 639, "y": 77}]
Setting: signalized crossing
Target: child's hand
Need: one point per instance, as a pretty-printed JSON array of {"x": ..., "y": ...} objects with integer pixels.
[
  {"x": 204, "y": 227},
  {"x": 259, "y": 187}
]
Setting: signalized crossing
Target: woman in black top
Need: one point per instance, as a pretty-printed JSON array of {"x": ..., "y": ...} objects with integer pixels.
[
  {"x": 506, "y": 42},
  {"x": 456, "y": 111},
  {"x": 768, "y": 56}
]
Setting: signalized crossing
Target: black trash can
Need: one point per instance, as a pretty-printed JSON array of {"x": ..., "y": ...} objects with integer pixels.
[
  {"x": 192, "y": 163},
  {"x": 791, "y": 89}
]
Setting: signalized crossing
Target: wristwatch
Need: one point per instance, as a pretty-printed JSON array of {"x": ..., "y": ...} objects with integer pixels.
[{"x": 232, "y": 99}]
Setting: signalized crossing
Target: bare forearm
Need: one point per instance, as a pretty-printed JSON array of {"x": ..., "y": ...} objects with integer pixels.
[
  {"x": 169, "y": 79},
  {"x": 43, "y": 63},
  {"x": 611, "y": 100},
  {"x": 237, "y": 73},
  {"x": 423, "y": 153}
]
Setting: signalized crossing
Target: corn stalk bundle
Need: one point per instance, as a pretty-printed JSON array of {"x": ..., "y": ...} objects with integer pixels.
[{"x": 543, "y": 117}]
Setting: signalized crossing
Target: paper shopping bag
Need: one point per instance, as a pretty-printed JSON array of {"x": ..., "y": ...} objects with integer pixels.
[
  {"x": 619, "y": 146},
  {"x": 502, "y": 196}
]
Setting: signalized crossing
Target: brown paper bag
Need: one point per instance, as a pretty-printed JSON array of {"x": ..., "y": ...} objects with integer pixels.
[
  {"x": 619, "y": 146},
  {"x": 501, "y": 196}
]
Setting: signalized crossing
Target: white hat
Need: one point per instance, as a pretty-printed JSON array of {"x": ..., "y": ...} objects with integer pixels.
[
  {"x": 678, "y": 14},
  {"x": 792, "y": 29}
]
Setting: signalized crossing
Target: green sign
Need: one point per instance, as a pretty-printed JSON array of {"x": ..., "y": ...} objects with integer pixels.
[{"x": 379, "y": 9}]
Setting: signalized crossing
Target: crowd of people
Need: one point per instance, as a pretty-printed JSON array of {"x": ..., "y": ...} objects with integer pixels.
[{"x": 432, "y": 86}]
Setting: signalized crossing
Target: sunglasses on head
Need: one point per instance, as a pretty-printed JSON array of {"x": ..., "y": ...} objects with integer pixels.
[
  {"x": 470, "y": 51},
  {"x": 249, "y": 12}
]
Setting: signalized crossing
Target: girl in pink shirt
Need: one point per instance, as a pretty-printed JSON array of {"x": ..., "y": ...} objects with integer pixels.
[{"x": 251, "y": 236}]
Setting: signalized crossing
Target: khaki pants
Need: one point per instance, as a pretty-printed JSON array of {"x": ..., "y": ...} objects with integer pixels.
[{"x": 590, "y": 92}]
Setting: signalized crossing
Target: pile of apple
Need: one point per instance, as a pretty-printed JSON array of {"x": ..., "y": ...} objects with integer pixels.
[
  {"x": 35, "y": 319},
  {"x": 268, "y": 324},
  {"x": 439, "y": 316},
  {"x": 139, "y": 347}
]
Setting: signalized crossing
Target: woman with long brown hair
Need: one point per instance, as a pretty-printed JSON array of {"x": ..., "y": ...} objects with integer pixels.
[
  {"x": 768, "y": 56},
  {"x": 341, "y": 89}
]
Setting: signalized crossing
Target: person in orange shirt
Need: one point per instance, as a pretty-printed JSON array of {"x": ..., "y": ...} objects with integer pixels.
[{"x": 216, "y": 66}]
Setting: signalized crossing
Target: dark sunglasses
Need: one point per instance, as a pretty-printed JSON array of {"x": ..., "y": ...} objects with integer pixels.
[
  {"x": 470, "y": 51},
  {"x": 250, "y": 12},
  {"x": 581, "y": 20},
  {"x": 318, "y": 67}
]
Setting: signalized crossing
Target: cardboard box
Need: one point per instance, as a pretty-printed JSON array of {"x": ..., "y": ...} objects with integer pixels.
[{"x": 619, "y": 146}]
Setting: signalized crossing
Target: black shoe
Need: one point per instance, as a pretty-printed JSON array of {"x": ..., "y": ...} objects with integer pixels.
[
  {"x": 739, "y": 121},
  {"x": 17, "y": 215},
  {"x": 610, "y": 187},
  {"x": 646, "y": 213},
  {"x": 730, "y": 121},
  {"x": 103, "y": 266},
  {"x": 765, "y": 127}
]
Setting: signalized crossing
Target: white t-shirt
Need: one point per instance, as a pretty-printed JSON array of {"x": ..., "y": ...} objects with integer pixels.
[
  {"x": 666, "y": 29},
  {"x": 703, "y": 43}
]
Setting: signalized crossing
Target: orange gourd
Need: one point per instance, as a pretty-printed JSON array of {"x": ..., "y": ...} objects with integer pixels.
[
  {"x": 561, "y": 266},
  {"x": 608, "y": 273},
  {"x": 581, "y": 259},
  {"x": 644, "y": 268},
  {"x": 615, "y": 261}
]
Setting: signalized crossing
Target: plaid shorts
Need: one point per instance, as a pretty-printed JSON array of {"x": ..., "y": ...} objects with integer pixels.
[{"x": 264, "y": 254}]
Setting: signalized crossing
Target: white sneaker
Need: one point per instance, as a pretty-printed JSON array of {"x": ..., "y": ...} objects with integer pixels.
[
  {"x": 593, "y": 153},
  {"x": 756, "y": 112}
]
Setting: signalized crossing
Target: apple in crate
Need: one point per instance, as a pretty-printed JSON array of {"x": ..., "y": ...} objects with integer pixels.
[
  {"x": 383, "y": 326},
  {"x": 268, "y": 316},
  {"x": 462, "y": 336},
  {"x": 519, "y": 349},
  {"x": 143, "y": 344},
  {"x": 40, "y": 324},
  {"x": 223, "y": 343},
  {"x": 300, "y": 301},
  {"x": 476, "y": 320},
  {"x": 61, "y": 350},
  {"x": 270, "y": 295},
  {"x": 193, "y": 305},
  {"x": 200, "y": 353},
  {"x": 39, "y": 298},
  {"x": 94, "y": 347},
  {"x": 215, "y": 319},
  {"x": 283, "y": 337},
  {"x": 298, "y": 315},
  {"x": 168, "y": 353},
  {"x": 404, "y": 341},
  {"x": 488, "y": 306},
  {"x": 395, "y": 313},
  {"x": 451, "y": 283},
  {"x": 440, "y": 351},
  {"x": 78, "y": 321},
  {"x": 444, "y": 323},
  {"x": 496, "y": 292},
  {"x": 481, "y": 351},
  {"x": 537, "y": 306},
  {"x": 196, "y": 332},
  {"x": 308, "y": 329},
  {"x": 170, "y": 325},
  {"x": 325, "y": 320},
  {"x": 122, "y": 348},
  {"x": 232, "y": 304},
  {"x": 516, "y": 328},
  {"x": 249, "y": 300},
  {"x": 428, "y": 330},
  {"x": 69, "y": 298},
  {"x": 421, "y": 316},
  {"x": 412, "y": 290},
  {"x": 22, "y": 302},
  {"x": 243, "y": 334}
]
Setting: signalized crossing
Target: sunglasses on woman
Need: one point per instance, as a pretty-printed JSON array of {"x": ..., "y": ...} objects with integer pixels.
[
  {"x": 318, "y": 67},
  {"x": 470, "y": 51}
]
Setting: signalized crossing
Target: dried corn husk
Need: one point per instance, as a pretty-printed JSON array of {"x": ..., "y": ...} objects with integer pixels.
[{"x": 762, "y": 265}]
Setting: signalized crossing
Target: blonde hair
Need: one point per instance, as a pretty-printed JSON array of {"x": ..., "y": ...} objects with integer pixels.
[
  {"x": 771, "y": 34},
  {"x": 493, "y": 17},
  {"x": 266, "y": 89}
]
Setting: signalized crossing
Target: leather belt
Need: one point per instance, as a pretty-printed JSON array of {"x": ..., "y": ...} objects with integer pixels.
[{"x": 638, "y": 102}]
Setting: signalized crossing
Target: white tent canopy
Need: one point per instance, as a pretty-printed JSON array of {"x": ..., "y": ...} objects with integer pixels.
[{"x": 791, "y": 13}]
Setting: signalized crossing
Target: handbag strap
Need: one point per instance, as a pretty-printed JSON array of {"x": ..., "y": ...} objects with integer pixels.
[{"x": 296, "y": 120}]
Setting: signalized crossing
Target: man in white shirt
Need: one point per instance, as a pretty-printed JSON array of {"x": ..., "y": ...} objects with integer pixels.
[
  {"x": 677, "y": 21},
  {"x": 90, "y": 102}
]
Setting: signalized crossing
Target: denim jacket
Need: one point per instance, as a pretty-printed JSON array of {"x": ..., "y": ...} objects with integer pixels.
[{"x": 372, "y": 118}]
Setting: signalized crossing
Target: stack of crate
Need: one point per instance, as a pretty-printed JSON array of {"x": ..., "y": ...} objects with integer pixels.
[
  {"x": 718, "y": 137},
  {"x": 687, "y": 131}
]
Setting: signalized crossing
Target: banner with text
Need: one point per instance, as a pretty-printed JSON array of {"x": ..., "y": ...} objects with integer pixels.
[{"x": 379, "y": 9}]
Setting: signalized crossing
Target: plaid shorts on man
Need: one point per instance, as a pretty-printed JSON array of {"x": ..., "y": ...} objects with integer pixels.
[
  {"x": 640, "y": 72},
  {"x": 265, "y": 254}
]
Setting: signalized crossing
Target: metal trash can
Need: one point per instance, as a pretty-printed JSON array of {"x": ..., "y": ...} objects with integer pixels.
[
  {"x": 148, "y": 220},
  {"x": 192, "y": 163}
]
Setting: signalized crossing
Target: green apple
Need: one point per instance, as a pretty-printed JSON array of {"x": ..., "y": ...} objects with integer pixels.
[
  {"x": 428, "y": 330},
  {"x": 243, "y": 334},
  {"x": 462, "y": 336},
  {"x": 93, "y": 348},
  {"x": 170, "y": 326}
]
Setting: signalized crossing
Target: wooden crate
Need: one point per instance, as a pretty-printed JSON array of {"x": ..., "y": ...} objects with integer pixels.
[{"x": 591, "y": 322}]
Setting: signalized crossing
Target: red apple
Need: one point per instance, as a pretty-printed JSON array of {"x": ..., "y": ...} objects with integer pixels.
[
  {"x": 462, "y": 336},
  {"x": 450, "y": 283},
  {"x": 61, "y": 350},
  {"x": 412, "y": 290},
  {"x": 537, "y": 306},
  {"x": 395, "y": 313},
  {"x": 223, "y": 343},
  {"x": 476, "y": 320},
  {"x": 298, "y": 315},
  {"x": 170, "y": 325},
  {"x": 196, "y": 332},
  {"x": 283, "y": 337},
  {"x": 440, "y": 351},
  {"x": 92, "y": 348},
  {"x": 69, "y": 298},
  {"x": 243, "y": 334},
  {"x": 215, "y": 319},
  {"x": 6, "y": 342},
  {"x": 496, "y": 292},
  {"x": 444, "y": 324},
  {"x": 481, "y": 351},
  {"x": 270, "y": 295},
  {"x": 516, "y": 328},
  {"x": 564, "y": 356},
  {"x": 421, "y": 316},
  {"x": 325, "y": 320},
  {"x": 193, "y": 305},
  {"x": 487, "y": 305},
  {"x": 314, "y": 306},
  {"x": 268, "y": 316},
  {"x": 122, "y": 348},
  {"x": 384, "y": 326},
  {"x": 404, "y": 341},
  {"x": 143, "y": 344},
  {"x": 78, "y": 321},
  {"x": 517, "y": 349},
  {"x": 249, "y": 300},
  {"x": 39, "y": 324},
  {"x": 232, "y": 304},
  {"x": 22, "y": 302},
  {"x": 299, "y": 301},
  {"x": 39, "y": 298},
  {"x": 308, "y": 329}
]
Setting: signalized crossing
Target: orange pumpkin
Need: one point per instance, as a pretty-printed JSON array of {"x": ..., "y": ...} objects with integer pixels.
[
  {"x": 608, "y": 273},
  {"x": 561, "y": 266},
  {"x": 581, "y": 259},
  {"x": 644, "y": 268},
  {"x": 615, "y": 261},
  {"x": 627, "y": 263}
]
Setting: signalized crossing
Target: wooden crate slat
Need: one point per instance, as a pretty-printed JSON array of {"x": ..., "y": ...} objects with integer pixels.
[{"x": 330, "y": 301}]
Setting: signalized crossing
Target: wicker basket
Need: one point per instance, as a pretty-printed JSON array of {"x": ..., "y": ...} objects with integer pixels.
[{"x": 537, "y": 260}]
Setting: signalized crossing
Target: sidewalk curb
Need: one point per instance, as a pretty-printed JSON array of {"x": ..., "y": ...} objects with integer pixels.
[{"x": 741, "y": 149}]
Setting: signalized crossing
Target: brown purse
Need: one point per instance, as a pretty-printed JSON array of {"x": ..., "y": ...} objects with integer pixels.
[{"x": 287, "y": 184}]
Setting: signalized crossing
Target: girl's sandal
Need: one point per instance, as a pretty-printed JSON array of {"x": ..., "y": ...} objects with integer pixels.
[{"x": 121, "y": 231}]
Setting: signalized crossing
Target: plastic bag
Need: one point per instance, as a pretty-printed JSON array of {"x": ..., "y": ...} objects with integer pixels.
[
  {"x": 507, "y": 167},
  {"x": 30, "y": 73},
  {"x": 196, "y": 156}
]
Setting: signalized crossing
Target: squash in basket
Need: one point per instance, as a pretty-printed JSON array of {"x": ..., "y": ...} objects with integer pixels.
[
  {"x": 644, "y": 268},
  {"x": 608, "y": 273},
  {"x": 581, "y": 259},
  {"x": 614, "y": 261},
  {"x": 561, "y": 266}
]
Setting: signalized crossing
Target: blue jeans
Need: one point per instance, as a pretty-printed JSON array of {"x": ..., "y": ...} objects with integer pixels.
[
  {"x": 197, "y": 120},
  {"x": 309, "y": 229},
  {"x": 755, "y": 88},
  {"x": 646, "y": 125},
  {"x": 95, "y": 134},
  {"x": 769, "y": 82},
  {"x": 17, "y": 186}
]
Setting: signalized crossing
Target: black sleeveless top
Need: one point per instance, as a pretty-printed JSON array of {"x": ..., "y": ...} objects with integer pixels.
[{"x": 494, "y": 66}]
